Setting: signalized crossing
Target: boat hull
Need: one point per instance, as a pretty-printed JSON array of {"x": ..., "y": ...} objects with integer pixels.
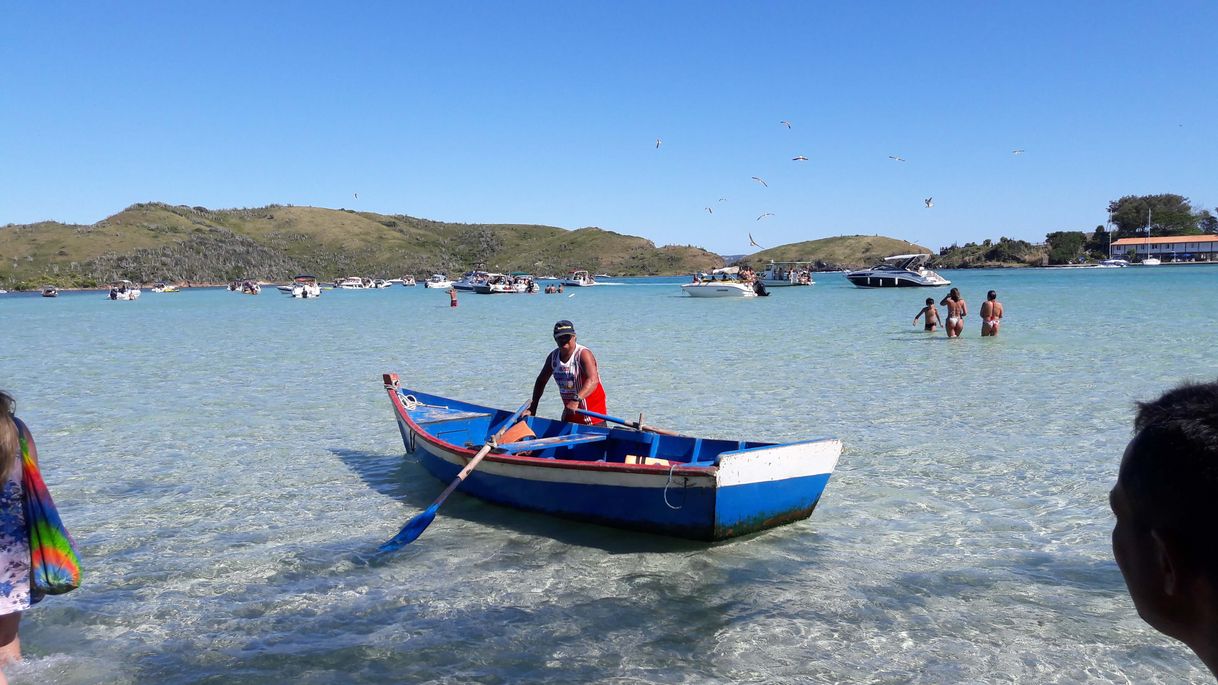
[
  {"x": 741, "y": 491},
  {"x": 718, "y": 290}
]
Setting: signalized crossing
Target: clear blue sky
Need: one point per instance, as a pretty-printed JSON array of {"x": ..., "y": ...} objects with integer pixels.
[{"x": 548, "y": 113}]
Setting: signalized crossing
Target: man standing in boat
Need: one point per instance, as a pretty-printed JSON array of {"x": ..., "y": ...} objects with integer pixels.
[{"x": 574, "y": 369}]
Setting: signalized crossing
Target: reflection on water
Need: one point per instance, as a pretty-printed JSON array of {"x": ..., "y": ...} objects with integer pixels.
[{"x": 228, "y": 464}]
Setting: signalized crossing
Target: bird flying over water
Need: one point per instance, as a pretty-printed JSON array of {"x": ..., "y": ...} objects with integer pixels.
[
  {"x": 762, "y": 217},
  {"x": 799, "y": 158},
  {"x": 898, "y": 159},
  {"x": 930, "y": 202},
  {"x": 1017, "y": 152},
  {"x": 753, "y": 242},
  {"x": 357, "y": 196},
  {"x": 659, "y": 143},
  {"x": 709, "y": 210},
  {"x": 761, "y": 181},
  {"x": 786, "y": 123}
]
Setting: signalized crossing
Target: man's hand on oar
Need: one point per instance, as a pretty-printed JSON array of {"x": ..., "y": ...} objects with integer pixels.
[
  {"x": 415, "y": 526},
  {"x": 630, "y": 424}
]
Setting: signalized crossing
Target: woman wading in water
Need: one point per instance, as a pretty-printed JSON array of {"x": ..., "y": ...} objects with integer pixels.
[
  {"x": 957, "y": 309},
  {"x": 14, "y": 538}
]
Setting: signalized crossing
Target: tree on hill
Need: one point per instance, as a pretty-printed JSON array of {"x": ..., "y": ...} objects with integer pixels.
[
  {"x": 1065, "y": 246},
  {"x": 1168, "y": 213}
]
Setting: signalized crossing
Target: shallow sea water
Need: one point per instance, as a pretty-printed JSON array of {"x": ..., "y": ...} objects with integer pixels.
[{"x": 228, "y": 463}]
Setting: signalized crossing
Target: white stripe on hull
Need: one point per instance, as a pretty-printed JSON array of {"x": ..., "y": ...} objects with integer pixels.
[{"x": 780, "y": 462}]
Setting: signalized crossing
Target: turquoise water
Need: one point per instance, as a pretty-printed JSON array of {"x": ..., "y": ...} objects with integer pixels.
[{"x": 227, "y": 463}]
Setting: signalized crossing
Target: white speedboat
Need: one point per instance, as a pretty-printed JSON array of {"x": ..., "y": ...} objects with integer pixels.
[
  {"x": 251, "y": 288},
  {"x": 379, "y": 283},
  {"x": 163, "y": 287},
  {"x": 351, "y": 283},
  {"x": 579, "y": 279},
  {"x": 1151, "y": 261},
  {"x": 719, "y": 289},
  {"x": 470, "y": 279},
  {"x": 407, "y": 281},
  {"x": 783, "y": 274},
  {"x": 124, "y": 290},
  {"x": 898, "y": 271},
  {"x": 50, "y": 291},
  {"x": 302, "y": 287},
  {"x": 1113, "y": 264},
  {"x": 439, "y": 281}
]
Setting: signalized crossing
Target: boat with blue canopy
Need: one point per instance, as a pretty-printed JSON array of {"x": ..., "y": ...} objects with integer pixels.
[{"x": 690, "y": 487}]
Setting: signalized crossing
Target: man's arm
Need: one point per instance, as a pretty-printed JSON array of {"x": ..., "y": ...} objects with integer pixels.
[
  {"x": 539, "y": 387},
  {"x": 920, "y": 315}
]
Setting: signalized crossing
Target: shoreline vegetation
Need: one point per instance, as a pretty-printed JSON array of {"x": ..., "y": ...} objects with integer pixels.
[{"x": 150, "y": 242}]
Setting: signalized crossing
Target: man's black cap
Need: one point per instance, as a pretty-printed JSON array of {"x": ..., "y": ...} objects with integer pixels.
[{"x": 563, "y": 328}]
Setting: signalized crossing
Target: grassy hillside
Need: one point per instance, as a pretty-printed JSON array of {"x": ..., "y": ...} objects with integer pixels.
[
  {"x": 155, "y": 241},
  {"x": 1004, "y": 253},
  {"x": 848, "y": 251}
]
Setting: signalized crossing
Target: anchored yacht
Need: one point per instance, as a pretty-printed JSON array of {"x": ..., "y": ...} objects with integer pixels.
[{"x": 898, "y": 271}]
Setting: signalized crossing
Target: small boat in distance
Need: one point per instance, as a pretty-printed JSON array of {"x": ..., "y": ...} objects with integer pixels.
[
  {"x": 579, "y": 279},
  {"x": 304, "y": 286},
  {"x": 699, "y": 488},
  {"x": 163, "y": 287},
  {"x": 784, "y": 274},
  {"x": 439, "y": 281},
  {"x": 470, "y": 279},
  {"x": 1113, "y": 264},
  {"x": 407, "y": 281},
  {"x": 350, "y": 283},
  {"x": 898, "y": 271},
  {"x": 50, "y": 291},
  {"x": 124, "y": 290}
]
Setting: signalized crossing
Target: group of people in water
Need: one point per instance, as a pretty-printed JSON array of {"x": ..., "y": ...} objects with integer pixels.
[{"x": 957, "y": 309}]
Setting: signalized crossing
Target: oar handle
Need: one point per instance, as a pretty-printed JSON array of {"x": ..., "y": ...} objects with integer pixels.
[
  {"x": 630, "y": 424},
  {"x": 491, "y": 443}
]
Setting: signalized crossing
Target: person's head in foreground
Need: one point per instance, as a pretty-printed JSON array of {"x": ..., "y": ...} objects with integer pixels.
[{"x": 1166, "y": 506}]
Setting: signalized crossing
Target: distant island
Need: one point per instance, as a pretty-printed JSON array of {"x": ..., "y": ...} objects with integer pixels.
[{"x": 177, "y": 243}]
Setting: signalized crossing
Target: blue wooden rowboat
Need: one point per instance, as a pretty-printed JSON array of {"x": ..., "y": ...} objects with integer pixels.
[{"x": 673, "y": 485}]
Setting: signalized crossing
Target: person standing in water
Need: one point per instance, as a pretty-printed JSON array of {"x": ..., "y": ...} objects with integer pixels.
[
  {"x": 931, "y": 314},
  {"x": 574, "y": 369},
  {"x": 957, "y": 309},
  {"x": 991, "y": 314}
]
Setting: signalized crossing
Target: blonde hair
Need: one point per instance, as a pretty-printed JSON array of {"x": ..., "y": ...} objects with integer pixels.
[{"x": 10, "y": 445}]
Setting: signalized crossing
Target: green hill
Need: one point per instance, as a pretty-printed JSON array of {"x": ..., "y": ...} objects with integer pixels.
[
  {"x": 156, "y": 241},
  {"x": 840, "y": 252}
]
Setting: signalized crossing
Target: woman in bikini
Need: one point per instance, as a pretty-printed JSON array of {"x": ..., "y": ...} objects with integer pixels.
[
  {"x": 957, "y": 309},
  {"x": 991, "y": 314}
]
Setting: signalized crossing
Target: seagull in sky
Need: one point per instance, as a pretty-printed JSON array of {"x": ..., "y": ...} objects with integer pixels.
[
  {"x": 762, "y": 217},
  {"x": 930, "y": 202},
  {"x": 357, "y": 196},
  {"x": 895, "y": 158},
  {"x": 1017, "y": 152},
  {"x": 723, "y": 199},
  {"x": 786, "y": 123},
  {"x": 799, "y": 158},
  {"x": 761, "y": 181},
  {"x": 709, "y": 210},
  {"x": 753, "y": 242},
  {"x": 659, "y": 143}
]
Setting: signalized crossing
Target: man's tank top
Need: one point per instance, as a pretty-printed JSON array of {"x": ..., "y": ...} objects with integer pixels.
[{"x": 568, "y": 375}]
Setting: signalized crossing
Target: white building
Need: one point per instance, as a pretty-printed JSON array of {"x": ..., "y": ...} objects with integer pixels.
[{"x": 1186, "y": 248}]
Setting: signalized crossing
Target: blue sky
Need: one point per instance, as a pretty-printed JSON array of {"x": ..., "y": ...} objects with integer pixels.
[{"x": 548, "y": 113}]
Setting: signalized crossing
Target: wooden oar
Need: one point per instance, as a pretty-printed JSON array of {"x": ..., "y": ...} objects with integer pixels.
[
  {"x": 630, "y": 424},
  {"x": 415, "y": 526}
]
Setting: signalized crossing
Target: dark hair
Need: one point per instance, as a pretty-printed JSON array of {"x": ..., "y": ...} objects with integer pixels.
[
  {"x": 991, "y": 295},
  {"x": 10, "y": 445},
  {"x": 1170, "y": 475},
  {"x": 930, "y": 300}
]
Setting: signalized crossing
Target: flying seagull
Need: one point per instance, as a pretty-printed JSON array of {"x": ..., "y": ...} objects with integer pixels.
[
  {"x": 799, "y": 158},
  {"x": 1017, "y": 152},
  {"x": 357, "y": 196},
  {"x": 895, "y": 158},
  {"x": 762, "y": 217},
  {"x": 723, "y": 199},
  {"x": 659, "y": 143},
  {"x": 786, "y": 123},
  {"x": 709, "y": 210},
  {"x": 761, "y": 181},
  {"x": 930, "y": 202},
  {"x": 753, "y": 242}
]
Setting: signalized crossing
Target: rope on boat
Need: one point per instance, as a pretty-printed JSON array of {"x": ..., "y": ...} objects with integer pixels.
[
  {"x": 670, "y": 470},
  {"x": 411, "y": 403}
]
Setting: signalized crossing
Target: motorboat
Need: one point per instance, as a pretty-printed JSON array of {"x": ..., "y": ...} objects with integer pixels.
[
  {"x": 351, "y": 283},
  {"x": 712, "y": 288},
  {"x": 579, "y": 278},
  {"x": 124, "y": 290},
  {"x": 898, "y": 271},
  {"x": 657, "y": 481},
  {"x": 407, "y": 281},
  {"x": 163, "y": 287},
  {"x": 1151, "y": 261},
  {"x": 1113, "y": 264},
  {"x": 303, "y": 287},
  {"x": 250, "y": 288},
  {"x": 439, "y": 281},
  {"x": 469, "y": 280},
  {"x": 50, "y": 291},
  {"x": 783, "y": 274},
  {"x": 379, "y": 283},
  {"x": 516, "y": 282}
]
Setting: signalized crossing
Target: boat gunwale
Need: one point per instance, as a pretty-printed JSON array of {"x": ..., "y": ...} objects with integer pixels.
[{"x": 710, "y": 470}]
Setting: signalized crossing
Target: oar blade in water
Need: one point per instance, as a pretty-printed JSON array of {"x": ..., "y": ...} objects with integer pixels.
[{"x": 411, "y": 531}]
